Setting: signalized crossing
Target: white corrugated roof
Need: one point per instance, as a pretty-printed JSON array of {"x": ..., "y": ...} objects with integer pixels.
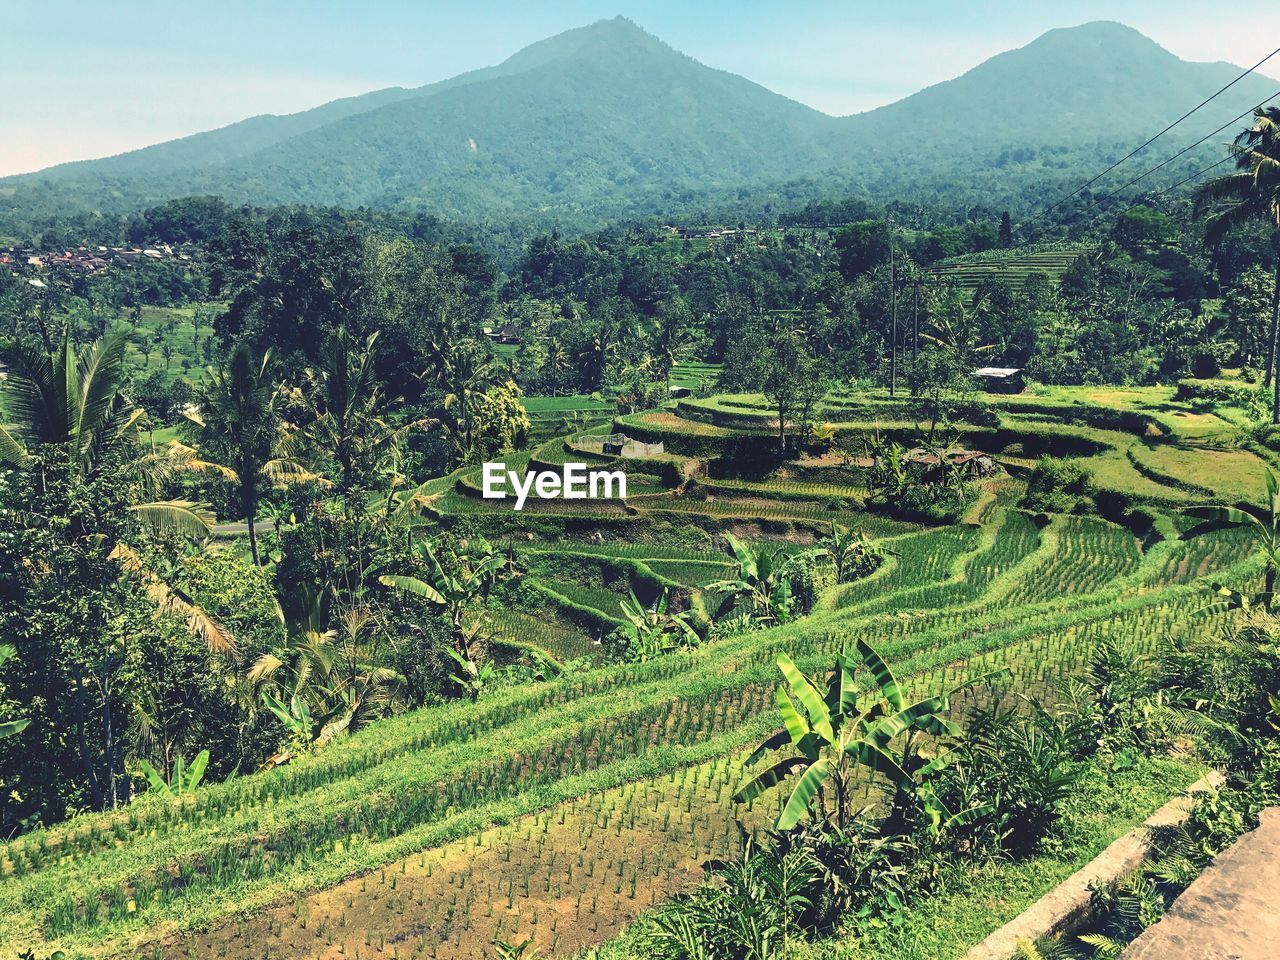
[{"x": 996, "y": 371}]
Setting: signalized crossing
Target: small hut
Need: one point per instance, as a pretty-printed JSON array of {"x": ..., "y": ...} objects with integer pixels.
[
  {"x": 925, "y": 464},
  {"x": 1001, "y": 379}
]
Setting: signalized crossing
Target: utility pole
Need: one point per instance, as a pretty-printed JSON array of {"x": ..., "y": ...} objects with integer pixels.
[
  {"x": 915, "y": 327},
  {"x": 893, "y": 313}
]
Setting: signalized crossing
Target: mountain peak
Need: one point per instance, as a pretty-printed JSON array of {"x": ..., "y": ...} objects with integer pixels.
[
  {"x": 615, "y": 40},
  {"x": 606, "y": 120},
  {"x": 1099, "y": 37}
]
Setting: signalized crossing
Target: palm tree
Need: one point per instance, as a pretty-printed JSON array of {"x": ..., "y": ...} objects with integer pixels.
[
  {"x": 338, "y": 675},
  {"x": 69, "y": 426},
  {"x": 555, "y": 367},
  {"x": 672, "y": 338},
  {"x": 470, "y": 373},
  {"x": 345, "y": 403},
  {"x": 1252, "y": 192},
  {"x": 70, "y": 410},
  {"x": 238, "y": 420}
]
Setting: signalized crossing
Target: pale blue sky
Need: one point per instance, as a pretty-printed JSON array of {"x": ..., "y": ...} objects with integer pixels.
[{"x": 89, "y": 79}]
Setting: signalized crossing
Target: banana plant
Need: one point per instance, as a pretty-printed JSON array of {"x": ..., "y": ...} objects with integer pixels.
[
  {"x": 475, "y": 671},
  {"x": 889, "y": 476},
  {"x": 9, "y": 727},
  {"x": 835, "y": 740},
  {"x": 452, "y": 582},
  {"x": 761, "y": 580},
  {"x": 1265, "y": 531},
  {"x": 652, "y": 632},
  {"x": 184, "y": 780},
  {"x": 850, "y": 552}
]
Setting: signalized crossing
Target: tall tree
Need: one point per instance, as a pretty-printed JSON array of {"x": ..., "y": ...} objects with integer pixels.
[
  {"x": 672, "y": 337},
  {"x": 78, "y": 494},
  {"x": 239, "y": 423},
  {"x": 793, "y": 380},
  {"x": 347, "y": 409},
  {"x": 1006, "y": 231},
  {"x": 1251, "y": 193}
]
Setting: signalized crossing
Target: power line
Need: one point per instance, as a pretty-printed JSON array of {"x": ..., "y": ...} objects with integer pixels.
[
  {"x": 1202, "y": 170},
  {"x": 1061, "y": 200},
  {"x": 1163, "y": 163}
]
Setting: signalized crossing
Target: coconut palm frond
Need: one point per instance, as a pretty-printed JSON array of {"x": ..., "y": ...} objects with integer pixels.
[
  {"x": 172, "y": 599},
  {"x": 12, "y": 451},
  {"x": 1230, "y": 186},
  {"x": 91, "y": 395},
  {"x": 283, "y": 472},
  {"x": 182, "y": 517},
  {"x": 264, "y": 667},
  {"x": 35, "y": 405},
  {"x": 184, "y": 457}
]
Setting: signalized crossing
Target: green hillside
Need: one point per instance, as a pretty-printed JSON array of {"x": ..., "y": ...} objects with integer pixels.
[
  {"x": 436, "y": 832},
  {"x": 607, "y": 121}
]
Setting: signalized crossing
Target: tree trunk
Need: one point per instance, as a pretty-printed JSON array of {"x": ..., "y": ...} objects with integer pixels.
[
  {"x": 249, "y": 503},
  {"x": 893, "y": 335},
  {"x": 1275, "y": 335},
  {"x": 253, "y": 542},
  {"x": 82, "y": 743},
  {"x": 915, "y": 335}
]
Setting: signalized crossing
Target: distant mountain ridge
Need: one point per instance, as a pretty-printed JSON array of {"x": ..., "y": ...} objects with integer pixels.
[{"x": 607, "y": 121}]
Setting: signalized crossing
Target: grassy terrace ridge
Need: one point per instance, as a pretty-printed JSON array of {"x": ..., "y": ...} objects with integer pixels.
[
  {"x": 945, "y": 925},
  {"x": 1005, "y": 587},
  {"x": 1015, "y": 266},
  {"x": 332, "y": 797}
]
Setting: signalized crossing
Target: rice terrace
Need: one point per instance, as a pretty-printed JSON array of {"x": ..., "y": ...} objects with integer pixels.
[{"x": 442, "y": 525}]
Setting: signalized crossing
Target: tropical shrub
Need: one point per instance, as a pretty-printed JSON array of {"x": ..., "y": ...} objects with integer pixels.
[
  {"x": 762, "y": 584},
  {"x": 834, "y": 738},
  {"x": 652, "y": 631},
  {"x": 1059, "y": 485},
  {"x": 851, "y": 554},
  {"x": 1024, "y": 763},
  {"x": 750, "y": 908}
]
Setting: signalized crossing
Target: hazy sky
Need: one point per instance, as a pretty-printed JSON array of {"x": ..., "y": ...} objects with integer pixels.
[{"x": 89, "y": 79}]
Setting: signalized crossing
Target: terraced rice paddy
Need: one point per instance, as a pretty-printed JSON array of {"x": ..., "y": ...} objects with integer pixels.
[
  {"x": 561, "y": 810},
  {"x": 967, "y": 273}
]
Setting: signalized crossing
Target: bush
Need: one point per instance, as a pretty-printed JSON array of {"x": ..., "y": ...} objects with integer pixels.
[
  {"x": 1215, "y": 391},
  {"x": 809, "y": 577},
  {"x": 933, "y": 503},
  {"x": 418, "y": 645},
  {"x": 1059, "y": 485},
  {"x": 1023, "y": 764}
]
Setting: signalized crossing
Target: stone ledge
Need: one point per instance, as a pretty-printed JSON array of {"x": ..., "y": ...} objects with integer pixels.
[
  {"x": 1229, "y": 911},
  {"x": 1065, "y": 906}
]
